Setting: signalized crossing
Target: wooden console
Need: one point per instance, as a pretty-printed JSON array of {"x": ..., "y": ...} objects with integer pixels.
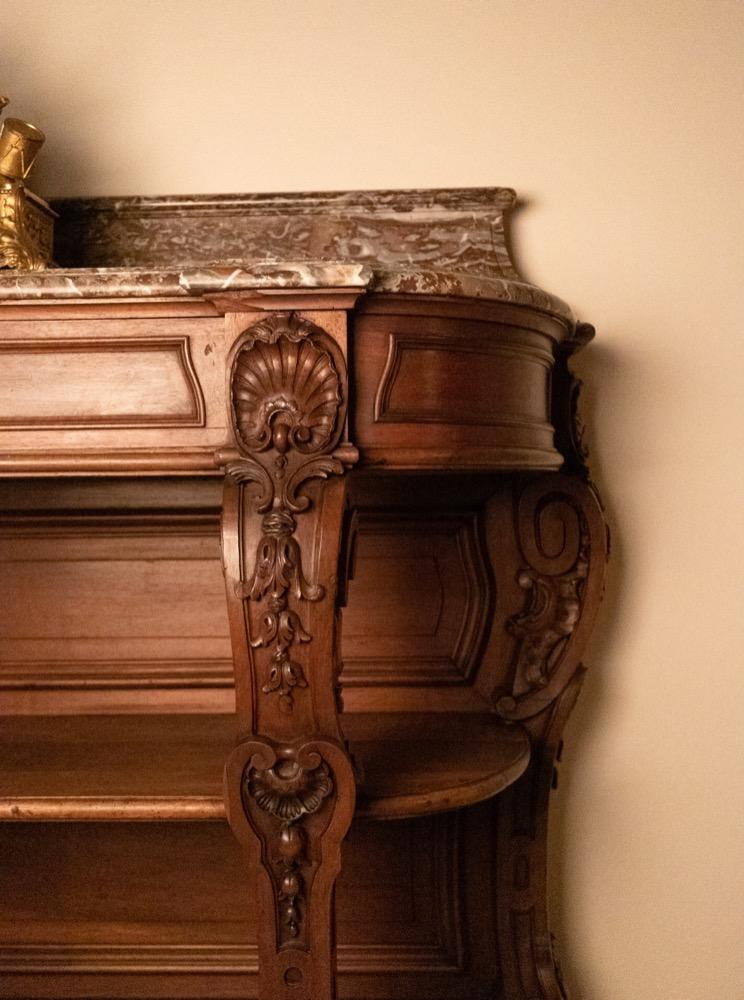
[{"x": 300, "y": 554}]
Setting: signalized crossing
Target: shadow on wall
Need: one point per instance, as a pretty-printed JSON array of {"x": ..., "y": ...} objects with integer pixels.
[{"x": 598, "y": 367}]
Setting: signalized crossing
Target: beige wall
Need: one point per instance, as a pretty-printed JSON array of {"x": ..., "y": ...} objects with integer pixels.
[{"x": 621, "y": 126}]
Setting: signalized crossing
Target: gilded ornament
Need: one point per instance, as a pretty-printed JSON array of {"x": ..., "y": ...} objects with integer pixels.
[{"x": 26, "y": 221}]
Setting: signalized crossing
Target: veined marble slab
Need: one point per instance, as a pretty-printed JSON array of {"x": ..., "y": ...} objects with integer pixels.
[
  {"x": 135, "y": 282},
  {"x": 448, "y": 242}
]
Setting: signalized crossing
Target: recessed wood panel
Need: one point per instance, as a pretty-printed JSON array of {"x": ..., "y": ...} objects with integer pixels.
[
  {"x": 451, "y": 382},
  {"x": 98, "y": 383},
  {"x": 453, "y": 391},
  {"x": 103, "y": 898},
  {"x": 138, "y": 601},
  {"x": 418, "y": 600},
  {"x": 114, "y": 600}
]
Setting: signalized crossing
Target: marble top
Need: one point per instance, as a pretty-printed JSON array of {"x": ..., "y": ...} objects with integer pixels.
[{"x": 447, "y": 242}]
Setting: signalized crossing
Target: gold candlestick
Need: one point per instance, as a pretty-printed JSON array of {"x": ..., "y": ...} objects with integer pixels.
[{"x": 26, "y": 221}]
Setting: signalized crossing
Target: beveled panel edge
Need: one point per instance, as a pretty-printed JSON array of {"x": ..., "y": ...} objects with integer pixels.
[
  {"x": 240, "y": 275},
  {"x": 299, "y": 202},
  {"x": 227, "y": 275},
  {"x": 463, "y": 459},
  {"x": 460, "y": 667},
  {"x": 165, "y": 461},
  {"x": 111, "y": 809},
  {"x": 115, "y": 675}
]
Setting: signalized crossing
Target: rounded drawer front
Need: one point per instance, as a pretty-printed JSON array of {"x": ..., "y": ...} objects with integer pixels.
[{"x": 455, "y": 390}]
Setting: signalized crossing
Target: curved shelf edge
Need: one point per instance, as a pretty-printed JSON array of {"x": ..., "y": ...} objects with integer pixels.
[
  {"x": 415, "y": 765},
  {"x": 100, "y": 768},
  {"x": 111, "y": 809}
]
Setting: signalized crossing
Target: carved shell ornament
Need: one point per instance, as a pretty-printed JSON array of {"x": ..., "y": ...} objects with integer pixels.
[{"x": 286, "y": 391}]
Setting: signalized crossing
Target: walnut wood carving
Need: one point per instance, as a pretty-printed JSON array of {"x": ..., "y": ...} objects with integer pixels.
[
  {"x": 289, "y": 785},
  {"x": 562, "y": 548},
  {"x": 566, "y": 415},
  {"x": 527, "y": 950},
  {"x": 152, "y": 410},
  {"x": 97, "y": 382}
]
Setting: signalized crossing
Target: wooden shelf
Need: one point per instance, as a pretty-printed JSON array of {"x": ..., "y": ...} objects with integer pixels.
[
  {"x": 413, "y": 765},
  {"x": 161, "y": 768}
]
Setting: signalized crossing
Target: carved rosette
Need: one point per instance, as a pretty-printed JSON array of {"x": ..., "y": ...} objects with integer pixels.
[
  {"x": 555, "y": 544},
  {"x": 288, "y": 392}
]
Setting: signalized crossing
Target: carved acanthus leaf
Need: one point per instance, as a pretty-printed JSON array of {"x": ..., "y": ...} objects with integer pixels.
[
  {"x": 552, "y": 612},
  {"x": 246, "y": 471}
]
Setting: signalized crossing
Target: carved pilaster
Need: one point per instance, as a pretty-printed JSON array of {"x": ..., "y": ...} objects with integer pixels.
[
  {"x": 289, "y": 783},
  {"x": 290, "y": 805}
]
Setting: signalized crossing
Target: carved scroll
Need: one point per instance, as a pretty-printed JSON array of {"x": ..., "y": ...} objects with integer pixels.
[
  {"x": 552, "y": 612},
  {"x": 561, "y": 552},
  {"x": 290, "y": 791},
  {"x": 562, "y": 548}
]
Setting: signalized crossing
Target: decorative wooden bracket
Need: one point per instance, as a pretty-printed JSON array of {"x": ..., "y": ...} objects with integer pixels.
[
  {"x": 562, "y": 551},
  {"x": 289, "y": 784}
]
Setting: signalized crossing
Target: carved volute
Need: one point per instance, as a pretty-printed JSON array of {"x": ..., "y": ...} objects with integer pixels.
[{"x": 562, "y": 551}]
